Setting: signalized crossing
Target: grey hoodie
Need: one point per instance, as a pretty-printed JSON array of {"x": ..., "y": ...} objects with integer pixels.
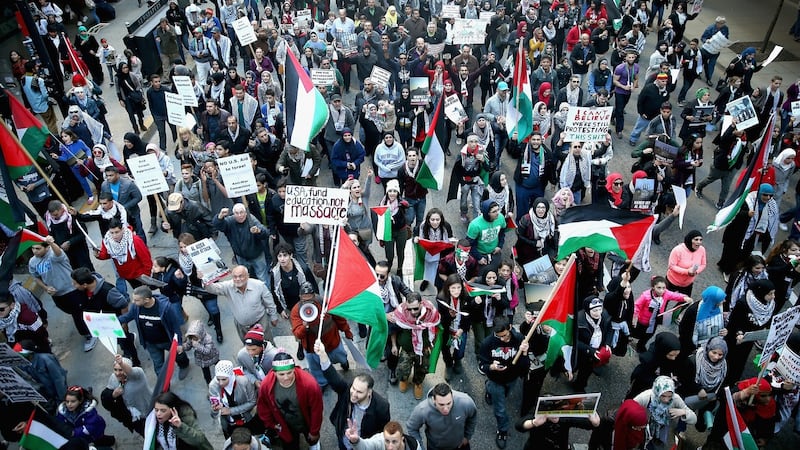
[
  {"x": 443, "y": 432},
  {"x": 206, "y": 353}
]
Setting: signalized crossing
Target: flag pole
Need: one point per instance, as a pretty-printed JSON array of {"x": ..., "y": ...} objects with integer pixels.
[
  {"x": 328, "y": 277},
  {"x": 518, "y": 73},
  {"x": 735, "y": 419},
  {"x": 545, "y": 306}
]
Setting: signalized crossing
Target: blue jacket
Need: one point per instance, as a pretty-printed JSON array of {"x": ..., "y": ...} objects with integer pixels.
[
  {"x": 343, "y": 153},
  {"x": 88, "y": 424},
  {"x": 169, "y": 318}
]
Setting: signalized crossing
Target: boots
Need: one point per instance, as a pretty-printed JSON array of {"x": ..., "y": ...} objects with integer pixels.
[
  {"x": 217, "y": 326},
  {"x": 403, "y": 385},
  {"x": 153, "y": 228},
  {"x": 418, "y": 391},
  {"x": 458, "y": 369},
  {"x": 141, "y": 126}
]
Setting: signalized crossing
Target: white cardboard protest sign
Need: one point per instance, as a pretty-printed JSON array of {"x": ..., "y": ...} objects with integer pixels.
[
  {"x": 323, "y": 77},
  {"x": 795, "y": 109},
  {"x": 147, "y": 174},
  {"x": 319, "y": 205},
  {"x": 789, "y": 365},
  {"x": 183, "y": 84},
  {"x": 237, "y": 174},
  {"x": 380, "y": 76},
  {"x": 779, "y": 331},
  {"x": 587, "y": 124},
  {"x": 207, "y": 260},
  {"x": 451, "y": 12},
  {"x": 469, "y": 31},
  {"x": 454, "y": 110},
  {"x": 244, "y": 31},
  {"x": 106, "y": 328},
  {"x": 176, "y": 113},
  {"x": 774, "y": 54},
  {"x": 680, "y": 201}
]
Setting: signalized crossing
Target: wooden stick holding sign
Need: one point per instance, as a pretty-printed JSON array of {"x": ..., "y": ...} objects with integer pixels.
[{"x": 245, "y": 33}]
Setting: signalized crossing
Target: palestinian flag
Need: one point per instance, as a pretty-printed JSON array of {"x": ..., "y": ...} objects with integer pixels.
[
  {"x": 384, "y": 226},
  {"x": 510, "y": 224},
  {"x": 43, "y": 432},
  {"x": 602, "y": 228},
  {"x": 520, "y": 109},
  {"x": 431, "y": 172},
  {"x": 423, "y": 247},
  {"x": 305, "y": 109},
  {"x": 436, "y": 351},
  {"x": 18, "y": 157},
  {"x": 30, "y": 131},
  {"x": 162, "y": 385},
  {"x": 748, "y": 181},
  {"x": 738, "y": 436},
  {"x": 477, "y": 289},
  {"x": 27, "y": 239},
  {"x": 558, "y": 313},
  {"x": 353, "y": 293}
]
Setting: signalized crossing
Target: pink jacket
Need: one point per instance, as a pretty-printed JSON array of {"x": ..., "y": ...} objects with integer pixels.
[
  {"x": 641, "y": 310},
  {"x": 681, "y": 260}
]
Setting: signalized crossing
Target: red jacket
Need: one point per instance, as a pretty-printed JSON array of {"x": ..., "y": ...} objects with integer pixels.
[
  {"x": 133, "y": 268},
  {"x": 309, "y": 396}
]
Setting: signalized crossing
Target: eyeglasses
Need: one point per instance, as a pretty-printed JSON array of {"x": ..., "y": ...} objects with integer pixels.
[
  {"x": 413, "y": 309},
  {"x": 618, "y": 183}
]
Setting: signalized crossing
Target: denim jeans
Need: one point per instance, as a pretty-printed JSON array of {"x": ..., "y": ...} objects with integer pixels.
[
  {"x": 415, "y": 211},
  {"x": 161, "y": 126},
  {"x": 641, "y": 125},
  {"x": 498, "y": 392},
  {"x": 709, "y": 63},
  {"x": 337, "y": 355},
  {"x": 474, "y": 190},
  {"x": 156, "y": 352}
]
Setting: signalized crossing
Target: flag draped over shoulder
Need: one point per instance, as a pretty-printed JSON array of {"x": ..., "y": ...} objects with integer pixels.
[
  {"x": 162, "y": 385},
  {"x": 602, "y": 228},
  {"x": 748, "y": 181},
  {"x": 305, "y": 108},
  {"x": 431, "y": 171},
  {"x": 427, "y": 247},
  {"x": 44, "y": 432},
  {"x": 559, "y": 314},
  {"x": 738, "y": 436},
  {"x": 353, "y": 293},
  {"x": 520, "y": 109},
  {"x": 383, "y": 229}
]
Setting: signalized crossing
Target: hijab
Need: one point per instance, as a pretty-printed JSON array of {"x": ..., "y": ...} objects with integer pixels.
[
  {"x": 629, "y": 415},
  {"x": 543, "y": 226},
  {"x": 616, "y": 197},
  {"x": 760, "y": 312},
  {"x": 659, "y": 411},
  {"x": 786, "y": 153},
  {"x": 543, "y": 120},
  {"x": 687, "y": 240},
  {"x": 497, "y": 192},
  {"x": 138, "y": 148},
  {"x": 768, "y": 411},
  {"x": 712, "y": 296},
  {"x": 710, "y": 375},
  {"x": 81, "y": 30},
  {"x": 540, "y": 94}
]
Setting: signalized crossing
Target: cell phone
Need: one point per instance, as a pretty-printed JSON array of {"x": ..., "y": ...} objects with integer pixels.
[{"x": 213, "y": 400}]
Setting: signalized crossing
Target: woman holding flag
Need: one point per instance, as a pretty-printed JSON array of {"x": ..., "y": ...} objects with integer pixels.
[{"x": 453, "y": 304}]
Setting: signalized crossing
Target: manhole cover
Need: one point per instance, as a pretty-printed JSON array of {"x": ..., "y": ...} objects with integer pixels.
[{"x": 785, "y": 55}]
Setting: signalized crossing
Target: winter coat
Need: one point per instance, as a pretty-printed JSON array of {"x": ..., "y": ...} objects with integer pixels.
[
  {"x": 375, "y": 417},
  {"x": 244, "y": 397},
  {"x": 309, "y": 398},
  {"x": 87, "y": 424},
  {"x": 206, "y": 353}
]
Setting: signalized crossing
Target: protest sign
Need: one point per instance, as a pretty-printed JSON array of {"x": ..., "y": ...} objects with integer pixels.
[
  {"x": 779, "y": 331},
  {"x": 680, "y": 202},
  {"x": 643, "y": 192},
  {"x": 795, "y": 109},
  {"x": 183, "y": 84},
  {"x": 454, "y": 110},
  {"x": 207, "y": 260},
  {"x": 105, "y": 327},
  {"x": 323, "y": 77},
  {"x": 717, "y": 42},
  {"x": 380, "y": 76},
  {"x": 664, "y": 152},
  {"x": 303, "y": 19},
  {"x": 176, "y": 113},
  {"x": 237, "y": 175},
  {"x": 16, "y": 388},
  {"x": 743, "y": 112},
  {"x": 346, "y": 43},
  {"x": 244, "y": 31},
  {"x": 469, "y": 31},
  {"x": 319, "y": 205},
  {"x": 147, "y": 174},
  {"x": 694, "y": 7},
  {"x": 576, "y": 405},
  {"x": 587, "y": 124},
  {"x": 419, "y": 91},
  {"x": 451, "y": 12},
  {"x": 435, "y": 49},
  {"x": 10, "y": 358},
  {"x": 773, "y": 54},
  {"x": 486, "y": 16},
  {"x": 789, "y": 365}
]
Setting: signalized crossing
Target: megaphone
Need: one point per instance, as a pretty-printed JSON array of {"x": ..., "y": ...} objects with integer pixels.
[{"x": 309, "y": 312}]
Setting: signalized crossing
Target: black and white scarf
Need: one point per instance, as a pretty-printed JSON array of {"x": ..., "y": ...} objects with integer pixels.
[
  {"x": 119, "y": 249},
  {"x": 759, "y": 312}
]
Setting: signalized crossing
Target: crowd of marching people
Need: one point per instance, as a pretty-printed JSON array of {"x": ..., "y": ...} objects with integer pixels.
[{"x": 468, "y": 293}]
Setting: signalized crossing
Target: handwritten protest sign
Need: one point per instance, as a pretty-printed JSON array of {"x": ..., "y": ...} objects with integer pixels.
[
  {"x": 587, "y": 124},
  {"x": 207, "y": 260},
  {"x": 16, "y": 388},
  {"x": 244, "y": 31},
  {"x": 789, "y": 365},
  {"x": 451, "y": 12},
  {"x": 323, "y": 77},
  {"x": 380, "y": 76},
  {"x": 237, "y": 174},
  {"x": 779, "y": 331},
  {"x": 454, "y": 110},
  {"x": 324, "y": 206},
  {"x": 469, "y": 31},
  {"x": 183, "y": 84},
  {"x": 435, "y": 49},
  {"x": 147, "y": 174},
  {"x": 105, "y": 327},
  {"x": 795, "y": 109},
  {"x": 10, "y": 358},
  {"x": 176, "y": 113},
  {"x": 486, "y": 16}
]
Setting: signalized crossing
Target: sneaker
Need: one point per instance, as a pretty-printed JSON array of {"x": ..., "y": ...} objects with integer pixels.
[
  {"x": 619, "y": 135},
  {"x": 500, "y": 439},
  {"x": 392, "y": 377},
  {"x": 458, "y": 369},
  {"x": 418, "y": 391},
  {"x": 90, "y": 344},
  {"x": 699, "y": 194},
  {"x": 301, "y": 354},
  {"x": 219, "y": 337},
  {"x": 632, "y": 144},
  {"x": 783, "y": 227},
  {"x": 183, "y": 372}
]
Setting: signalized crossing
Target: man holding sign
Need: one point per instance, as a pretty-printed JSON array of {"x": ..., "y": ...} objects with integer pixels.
[{"x": 158, "y": 108}]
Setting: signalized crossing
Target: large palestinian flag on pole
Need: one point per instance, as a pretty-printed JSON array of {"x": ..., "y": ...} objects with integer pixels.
[
  {"x": 305, "y": 107},
  {"x": 17, "y": 157},
  {"x": 602, "y": 228},
  {"x": 431, "y": 172},
  {"x": 558, "y": 313},
  {"x": 520, "y": 109},
  {"x": 738, "y": 436},
  {"x": 748, "y": 181},
  {"x": 31, "y": 133},
  {"x": 162, "y": 385},
  {"x": 353, "y": 293}
]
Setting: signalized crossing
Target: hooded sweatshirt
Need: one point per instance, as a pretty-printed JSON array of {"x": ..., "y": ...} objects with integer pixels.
[
  {"x": 443, "y": 432},
  {"x": 486, "y": 235}
]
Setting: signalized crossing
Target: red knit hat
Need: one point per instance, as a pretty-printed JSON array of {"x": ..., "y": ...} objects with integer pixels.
[
  {"x": 255, "y": 336},
  {"x": 78, "y": 80}
]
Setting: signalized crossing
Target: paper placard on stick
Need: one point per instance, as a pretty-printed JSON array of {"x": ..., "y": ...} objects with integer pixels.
[
  {"x": 176, "y": 113},
  {"x": 486, "y": 15},
  {"x": 380, "y": 76},
  {"x": 237, "y": 175},
  {"x": 147, "y": 174},
  {"x": 189, "y": 121},
  {"x": 207, "y": 260},
  {"x": 319, "y": 205},
  {"x": 680, "y": 201},
  {"x": 779, "y": 331},
  {"x": 105, "y": 327},
  {"x": 183, "y": 84},
  {"x": 454, "y": 110},
  {"x": 743, "y": 111},
  {"x": 323, "y": 77},
  {"x": 244, "y": 31},
  {"x": 695, "y": 7},
  {"x": 10, "y": 358},
  {"x": 16, "y": 388},
  {"x": 674, "y": 74},
  {"x": 772, "y": 55},
  {"x": 451, "y": 12},
  {"x": 576, "y": 405},
  {"x": 587, "y": 124}
]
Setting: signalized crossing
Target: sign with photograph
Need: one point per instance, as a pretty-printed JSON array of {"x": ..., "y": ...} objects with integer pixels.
[
  {"x": 346, "y": 43},
  {"x": 147, "y": 174},
  {"x": 743, "y": 113},
  {"x": 319, "y": 205},
  {"x": 643, "y": 192},
  {"x": 665, "y": 152},
  {"x": 469, "y": 31},
  {"x": 207, "y": 261},
  {"x": 237, "y": 174},
  {"x": 419, "y": 91},
  {"x": 576, "y": 405},
  {"x": 454, "y": 110},
  {"x": 587, "y": 124}
]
